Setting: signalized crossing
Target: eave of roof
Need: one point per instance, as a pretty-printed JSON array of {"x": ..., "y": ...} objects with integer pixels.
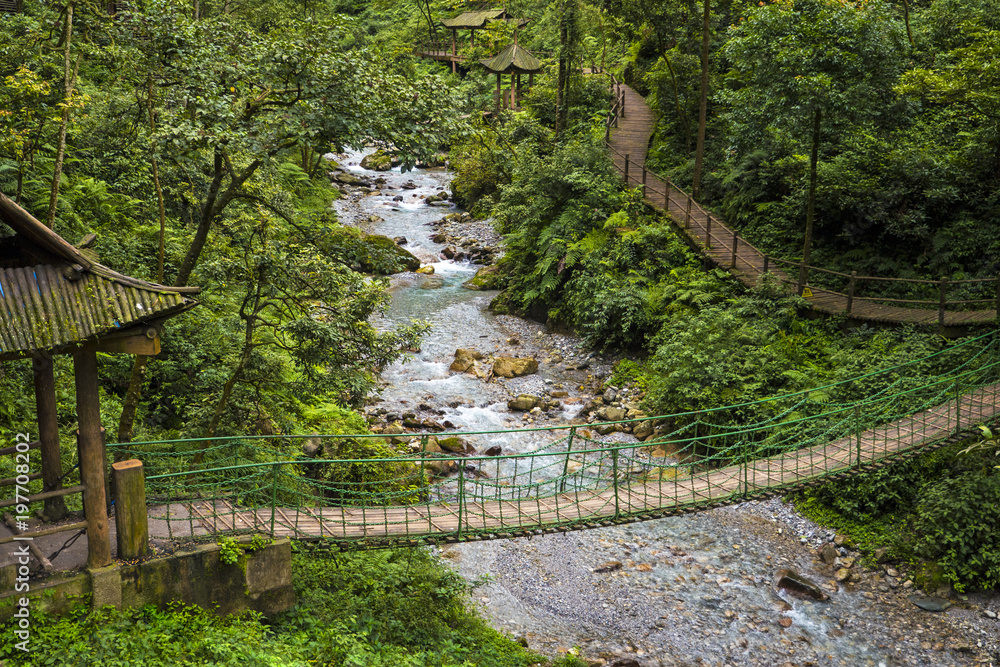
[{"x": 514, "y": 59}]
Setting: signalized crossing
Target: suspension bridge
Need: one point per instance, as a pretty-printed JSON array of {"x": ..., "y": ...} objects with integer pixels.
[{"x": 575, "y": 480}]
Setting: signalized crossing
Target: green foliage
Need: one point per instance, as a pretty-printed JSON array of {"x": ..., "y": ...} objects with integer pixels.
[
  {"x": 958, "y": 526},
  {"x": 381, "y": 609},
  {"x": 230, "y": 551}
]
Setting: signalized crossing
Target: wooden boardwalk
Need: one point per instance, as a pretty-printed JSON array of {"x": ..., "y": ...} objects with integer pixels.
[
  {"x": 656, "y": 493},
  {"x": 724, "y": 248}
]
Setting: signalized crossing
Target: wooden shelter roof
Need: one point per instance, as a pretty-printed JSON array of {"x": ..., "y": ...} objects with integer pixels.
[
  {"x": 54, "y": 296},
  {"x": 514, "y": 59},
  {"x": 479, "y": 19}
]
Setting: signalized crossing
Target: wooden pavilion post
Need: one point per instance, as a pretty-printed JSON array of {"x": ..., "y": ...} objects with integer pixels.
[
  {"x": 517, "y": 88},
  {"x": 91, "y": 447},
  {"x": 48, "y": 433}
]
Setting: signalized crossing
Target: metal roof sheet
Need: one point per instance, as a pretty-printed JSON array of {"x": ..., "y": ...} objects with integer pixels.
[{"x": 47, "y": 307}]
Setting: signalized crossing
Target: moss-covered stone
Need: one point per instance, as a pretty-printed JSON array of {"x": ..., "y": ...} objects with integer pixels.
[
  {"x": 377, "y": 161},
  {"x": 369, "y": 253},
  {"x": 486, "y": 278}
]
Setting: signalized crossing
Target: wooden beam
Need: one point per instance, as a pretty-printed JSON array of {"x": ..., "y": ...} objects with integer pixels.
[
  {"x": 90, "y": 443},
  {"x": 141, "y": 342}
]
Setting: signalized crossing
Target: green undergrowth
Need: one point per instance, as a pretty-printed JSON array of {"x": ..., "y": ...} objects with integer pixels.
[
  {"x": 392, "y": 608},
  {"x": 936, "y": 514}
]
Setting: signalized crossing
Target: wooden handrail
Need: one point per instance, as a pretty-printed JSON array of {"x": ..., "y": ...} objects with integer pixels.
[{"x": 712, "y": 241}]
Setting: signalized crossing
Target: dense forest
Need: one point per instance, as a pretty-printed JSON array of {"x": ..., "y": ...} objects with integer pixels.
[{"x": 191, "y": 138}]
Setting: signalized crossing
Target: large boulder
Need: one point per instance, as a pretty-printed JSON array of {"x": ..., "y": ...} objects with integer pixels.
[
  {"x": 464, "y": 360},
  {"x": 512, "y": 367},
  {"x": 610, "y": 414},
  {"x": 525, "y": 402},
  {"x": 377, "y": 161},
  {"x": 486, "y": 278},
  {"x": 347, "y": 178},
  {"x": 793, "y": 581}
]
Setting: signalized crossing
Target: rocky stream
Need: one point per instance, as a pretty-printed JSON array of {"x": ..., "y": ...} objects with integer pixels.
[{"x": 690, "y": 590}]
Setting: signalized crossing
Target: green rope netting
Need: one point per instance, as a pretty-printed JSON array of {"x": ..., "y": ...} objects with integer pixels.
[{"x": 693, "y": 459}]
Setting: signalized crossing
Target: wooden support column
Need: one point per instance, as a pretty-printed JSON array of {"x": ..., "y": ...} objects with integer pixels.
[
  {"x": 48, "y": 433},
  {"x": 131, "y": 521},
  {"x": 90, "y": 442}
]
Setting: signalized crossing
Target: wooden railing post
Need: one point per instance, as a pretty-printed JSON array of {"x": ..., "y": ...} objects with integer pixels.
[
  {"x": 666, "y": 208},
  {"x": 767, "y": 262},
  {"x": 736, "y": 241},
  {"x": 643, "y": 179},
  {"x": 850, "y": 291},
  {"x": 626, "y": 170},
  {"x": 708, "y": 231},
  {"x": 687, "y": 215},
  {"x": 997, "y": 306},
  {"x": 131, "y": 522},
  {"x": 623, "y": 103},
  {"x": 942, "y": 300}
]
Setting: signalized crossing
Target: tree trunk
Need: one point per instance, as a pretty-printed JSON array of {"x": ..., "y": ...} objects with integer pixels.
[
  {"x": 69, "y": 79},
  {"x": 699, "y": 151},
  {"x": 810, "y": 205}
]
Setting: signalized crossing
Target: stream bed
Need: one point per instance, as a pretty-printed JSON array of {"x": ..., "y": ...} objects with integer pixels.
[{"x": 689, "y": 590}]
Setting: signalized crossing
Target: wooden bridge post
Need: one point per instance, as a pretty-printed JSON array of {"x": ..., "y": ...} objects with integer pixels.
[
  {"x": 626, "y": 170},
  {"x": 131, "y": 520},
  {"x": 997, "y": 306},
  {"x": 942, "y": 301},
  {"x": 623, "y": 103},
  {"x": 850, "y": 291},
  {"x": 736, "y": 240},
  {"x": 687, "y": 215},
  {"x": 666, "y": 209},
  {"x": 644, "y": 179},
  {"x": 708, "y": 231},
  {"x": 767, "y": 261}
]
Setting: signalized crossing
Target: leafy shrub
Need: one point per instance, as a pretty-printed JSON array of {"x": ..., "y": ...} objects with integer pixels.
[{"x": 958, "y": 525}]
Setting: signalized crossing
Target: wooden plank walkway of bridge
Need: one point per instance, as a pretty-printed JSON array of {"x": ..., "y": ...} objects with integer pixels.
[
  {"x": 635, "y": 500},
  {"x": 716, "y": 240}
]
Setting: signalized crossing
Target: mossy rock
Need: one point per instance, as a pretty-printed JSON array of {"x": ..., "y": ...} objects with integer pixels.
[
  {"x": 486, "y": 278},
  {"x": 369, "y": 253},
  {"x": 377, "y": 161}
]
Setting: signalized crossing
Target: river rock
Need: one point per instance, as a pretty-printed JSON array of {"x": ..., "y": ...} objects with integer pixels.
[
  {"x": 426, "y": 270},
  {"x": 454, "y": 445},
  {"x": 525, "y": 402},
  {"x": 795, "y": 582},
  {"x": 610, "y": 394},
  {"x": 399, "y": 240},
  {"x": 643, "y": 430},
  {"x": 929, "y": 603},
  {"x": 828, "y": 553},
  {"x": 464, "y": 359},
  {"x": 377, "y": 161},
  {"x": 486, "y": 278},
  {"x": 348, "y": 178},
  {"x": 610, "y": 414},
  {"x": 512, "y": 367},
  {"x": 842, "y": 575}
]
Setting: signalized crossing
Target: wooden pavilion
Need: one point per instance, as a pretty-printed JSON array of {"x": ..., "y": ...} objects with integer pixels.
[
  {"x": 471, "y": 21},
  {"x": 55, "y": 298},
  {"x": 514, "y": 61}
]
